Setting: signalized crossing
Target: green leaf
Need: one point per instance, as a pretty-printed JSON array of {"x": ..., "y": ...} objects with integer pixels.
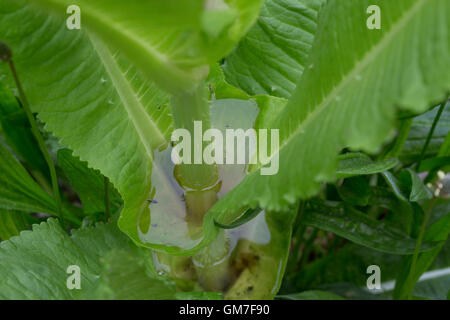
[
  {"x": 348, "y": 272},
  {"x": 17, "y": 131},
  {"x": 11, "y": 223},
  {"x": 94, "y": 100},
  {"x": 433, "y": 164},
  {"x": 311, "y": 295},
  {"x": 18, "y": 191},
  {"x": 106, "y": 111},
  {"x": 408, "y": 186},
  {"x": 271, "y": 57},
  {"x": 355, "y": 164},
  {"x": 363, "y": 230},
  {"x": 246, "y": 217},
  {"x": 124, "y": 277},
  {"x": 401, "y": 213},
  {"x": 419, "y": 131},
  {"x": 43, "y": 255},
  {"x": 325, "y": 115},
  {"x": 355, "y": 191},
  {"x": 172, "y": 42},
  {"x": 88, "y": 183},
  {"x": 418, "y": 190}
]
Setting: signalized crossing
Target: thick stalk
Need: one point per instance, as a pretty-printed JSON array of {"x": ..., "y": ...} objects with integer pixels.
[
  {"x": 190, "y": 110},
  {"x": 189, "y": 107}
]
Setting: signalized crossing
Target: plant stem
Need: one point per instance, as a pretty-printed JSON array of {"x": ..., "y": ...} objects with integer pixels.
[
  {"x": 430, "y": 134},
  {"x": 40, "y": 141},
  {"x": 419, "y": 241},
  {"x": 395, "y": 149},
  {"x": 107, "y": 205},
  {"x": 187, "y": 107}
]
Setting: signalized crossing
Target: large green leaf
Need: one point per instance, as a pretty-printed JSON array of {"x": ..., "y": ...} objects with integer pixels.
[
  {"x": 124, "y": 277},
  {"x": 171, "y": 41},
  {"x": 18, "y": 191},
  {"x": 106, "y": 111},
  {"x": 346, "y": 98},
  {"x": 34, "y": 265},
  {"x": 11, "y": 223},
  {"x": 94, "y": 100},
  {"x": 272, "y": 56}
]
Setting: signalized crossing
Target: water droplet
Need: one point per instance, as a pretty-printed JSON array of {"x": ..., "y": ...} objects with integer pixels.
[
  {"x": 103, "y": 80},
  {"x": 161, "y": 273},
  {"x": 311, "y": 66},
  {"x": 110, "y": 101},
  {"x": 273, "y": 89}
]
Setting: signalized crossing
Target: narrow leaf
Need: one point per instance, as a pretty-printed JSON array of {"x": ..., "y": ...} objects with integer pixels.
[
  {"x": 246, "y": 217},
  {"x": 355, "y": 164},
  {"x": 365, "y": 231},
  {"x": 18, "y": 191}
]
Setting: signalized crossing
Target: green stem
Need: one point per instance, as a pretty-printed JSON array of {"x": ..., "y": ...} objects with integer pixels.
[
  {"x": 419, "y": 242},
  {"x": 395, "y": 149},
  {"x": 107, "y": 204},
  {"x": 212, "y": 264},
  {"x": 430, "y": 134},
  {"x": 200, "y": 183},
  {"x": 187, "y": 107},
  {"x": 40, "y": 141}
]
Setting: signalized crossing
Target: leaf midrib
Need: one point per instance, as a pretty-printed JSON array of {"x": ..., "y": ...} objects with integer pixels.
[
  {"x": 149, "y": 133},
  {"x": 359, "y": 66}
]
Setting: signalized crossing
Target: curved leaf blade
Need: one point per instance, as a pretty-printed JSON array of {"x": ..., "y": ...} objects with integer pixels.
[
  {"x": 171, "y": 41},
  {"x": 325, "y": 115}
]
